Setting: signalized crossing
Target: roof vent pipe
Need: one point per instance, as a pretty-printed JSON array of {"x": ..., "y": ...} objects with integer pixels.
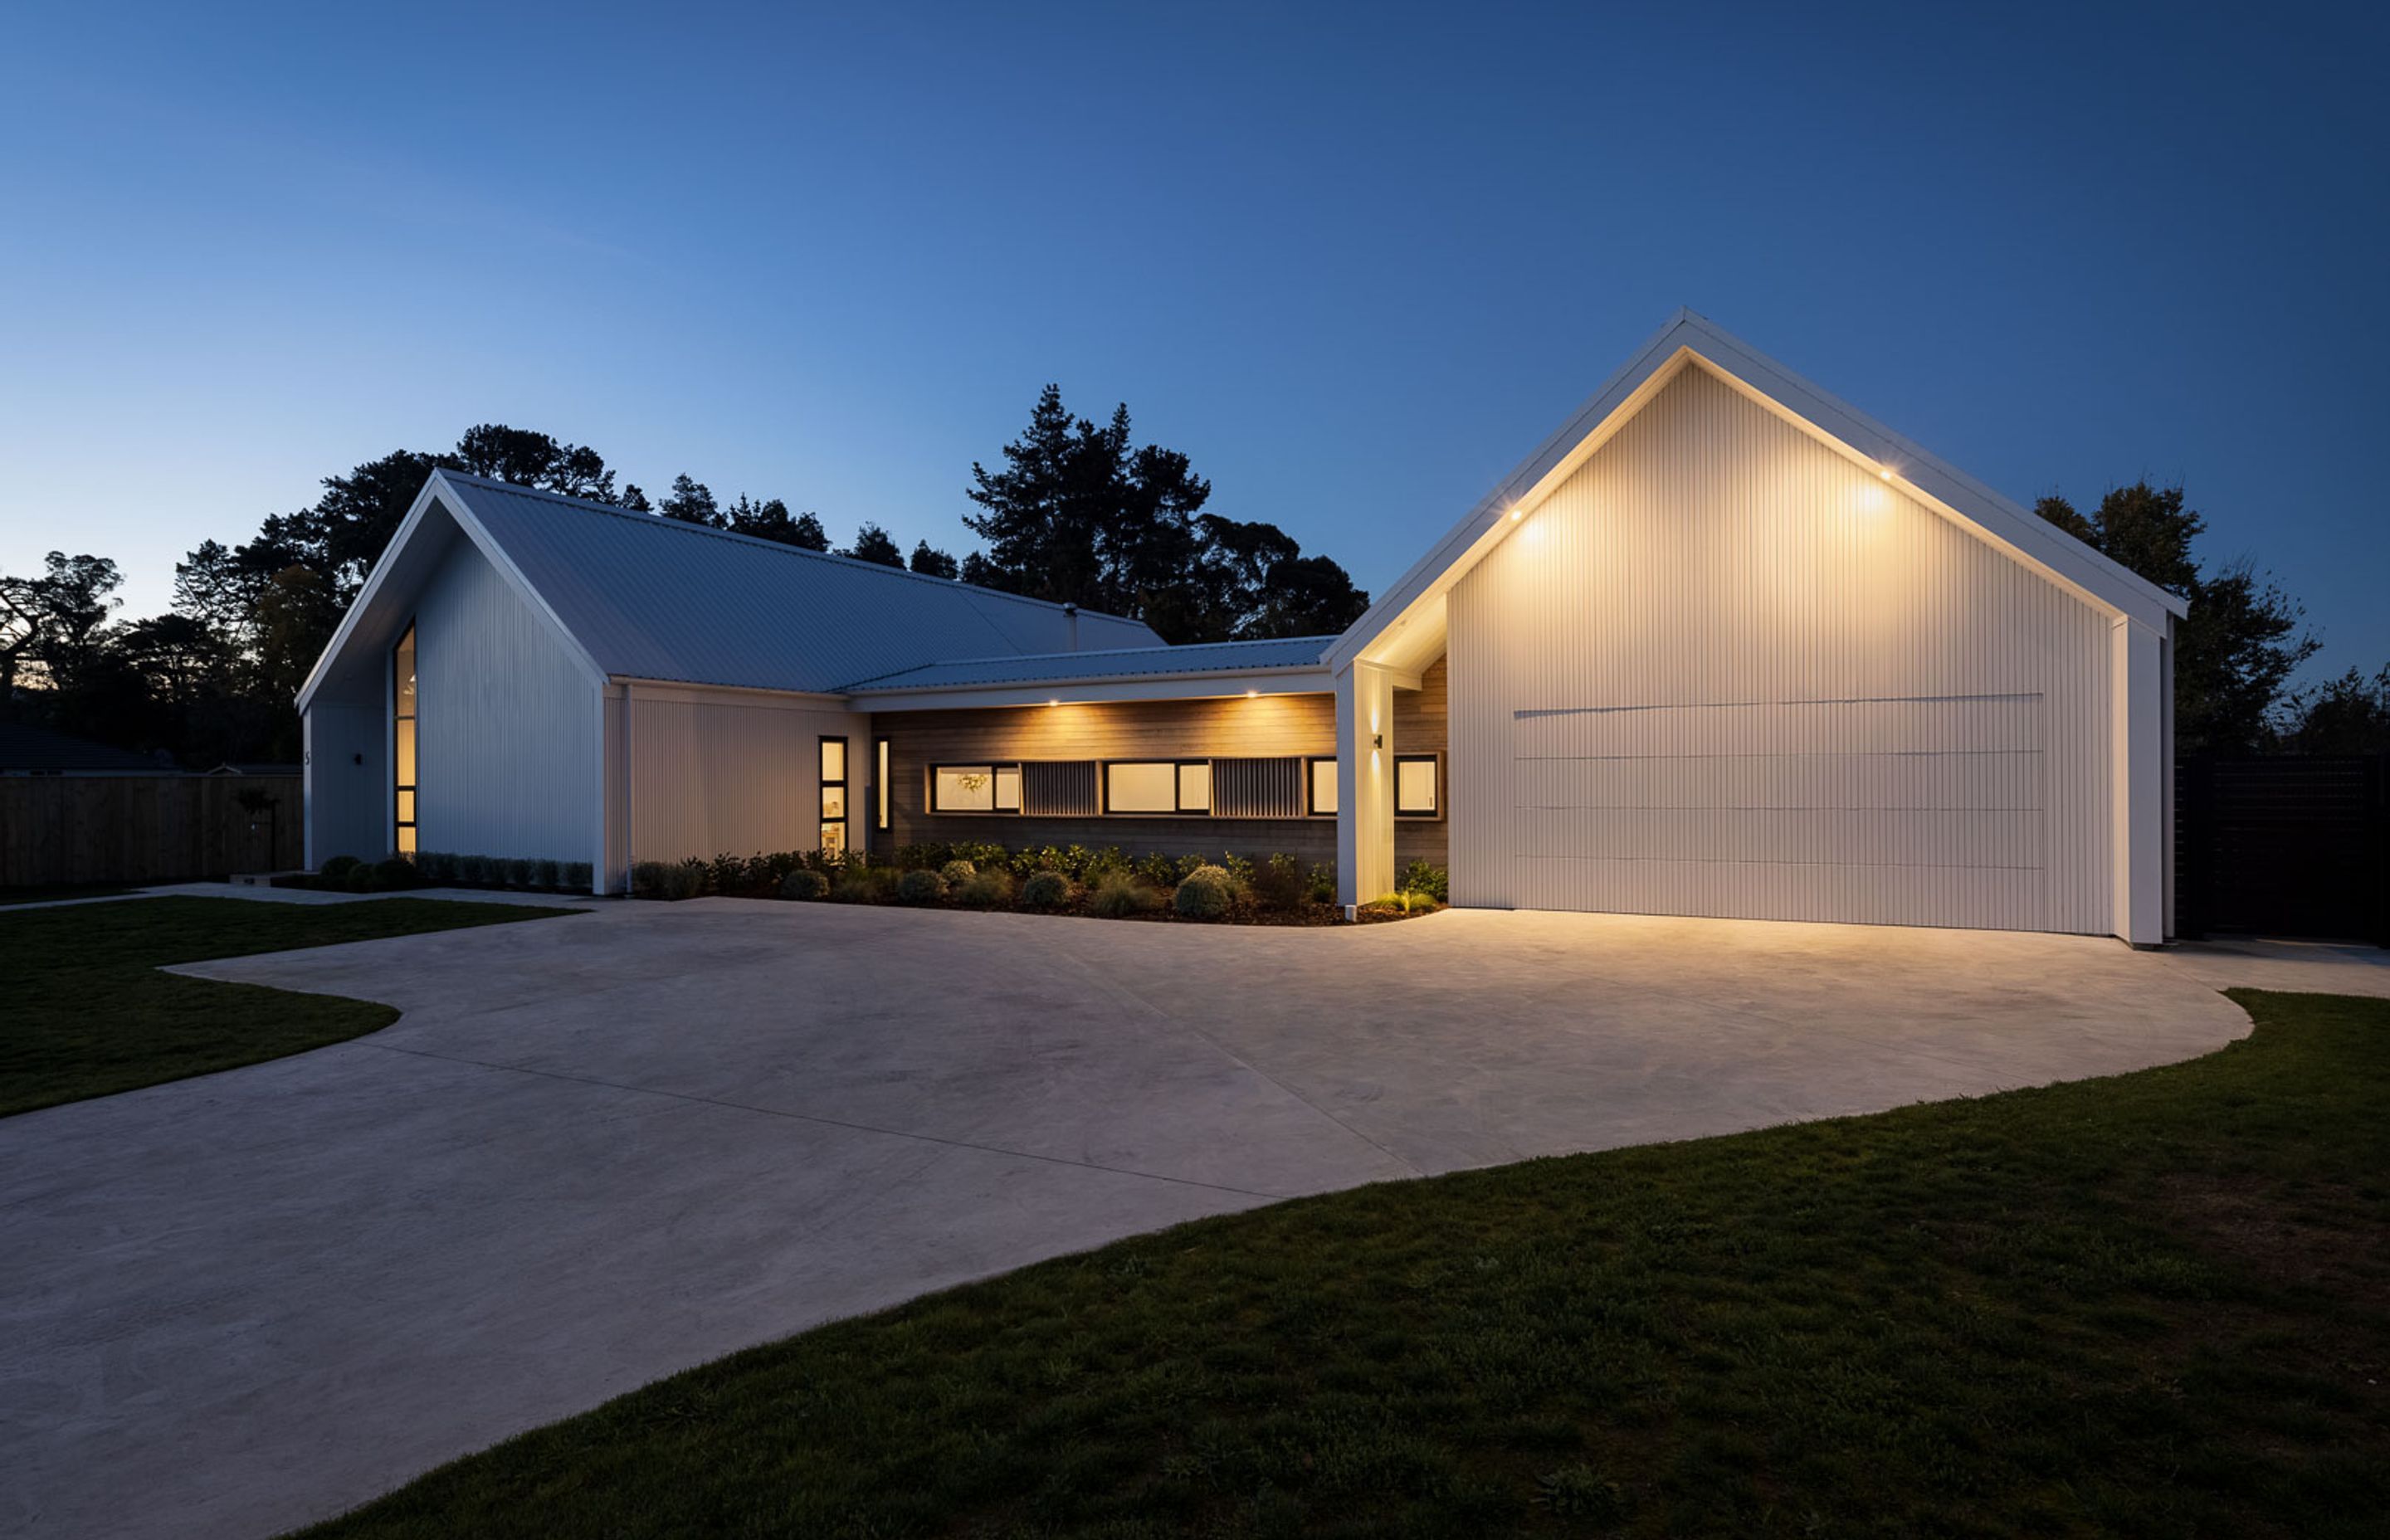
[{"x": 1071, "y": 621}]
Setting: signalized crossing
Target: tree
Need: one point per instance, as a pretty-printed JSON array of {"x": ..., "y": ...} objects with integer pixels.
[
  {"x": 771, "y": 522},
  {"x": 931, "y": 562},
  {"x": 2235, "y": 652},
  {"x": 2348, "y": 715},
  {"x": 534, "y": 459},
  {"x": 875, "y": 545},
  {"x": 71, "y": 604},
  {"x": 1307, "y": 595},
  {"x": 691, "y": 502}
]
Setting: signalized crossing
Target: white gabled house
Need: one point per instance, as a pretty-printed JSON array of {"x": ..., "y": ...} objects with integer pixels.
[{"x": 1722, "y": 646}]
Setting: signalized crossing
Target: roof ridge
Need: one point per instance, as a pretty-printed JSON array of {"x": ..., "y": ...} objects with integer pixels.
[{"x": 665, "y": 521}]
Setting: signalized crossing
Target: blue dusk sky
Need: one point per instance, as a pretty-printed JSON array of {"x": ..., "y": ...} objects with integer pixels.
[{"x": 1355, "y": 264}]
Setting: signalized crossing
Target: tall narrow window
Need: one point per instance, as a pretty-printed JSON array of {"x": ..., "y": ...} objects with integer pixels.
[
  {"x": 1323, "y": 787},
  {"x": 833, "y": 796},
  {"x": 879, "y": 783},
  {"x": 402, "y": 723}
]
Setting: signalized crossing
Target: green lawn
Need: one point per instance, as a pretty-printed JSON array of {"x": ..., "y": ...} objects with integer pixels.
[
  {"x": 2157, "y": 1304},
  {"x": 86, "y": 1012}
]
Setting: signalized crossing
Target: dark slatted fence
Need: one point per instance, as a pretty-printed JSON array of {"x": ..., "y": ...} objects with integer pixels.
[
  {"x": 144, "y": 828},
  {"x": 2286, "y": 845}
]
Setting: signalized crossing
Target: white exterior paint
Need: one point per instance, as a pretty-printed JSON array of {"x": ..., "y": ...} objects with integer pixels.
[
  {"x": 724, "y": 771},
  {"x": 505, "y": 716},
  {"x": 347, "y": 778},
  {"x": 1365, "y": 804},
  {"x": 1722, "y": 669}
]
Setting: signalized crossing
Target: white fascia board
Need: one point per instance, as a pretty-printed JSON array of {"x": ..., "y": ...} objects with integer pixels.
[
  {"x": 1686, "y": 339},
  {"x": 437, "y": 490},
  {"x": 1166, "y": 687},
  {"x": 696, "y": 690}
]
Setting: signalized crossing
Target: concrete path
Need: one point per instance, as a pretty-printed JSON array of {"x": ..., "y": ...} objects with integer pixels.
[{"x": 602, "y": 1148}]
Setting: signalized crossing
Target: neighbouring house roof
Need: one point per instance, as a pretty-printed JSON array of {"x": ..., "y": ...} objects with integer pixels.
[
  {"x": 641, "y": 596},
  {"x": 255, "y": 767},
  {"x": 26, "y": 750},
  {"x": 1405, "y": 626},
  {"x": 1136, "y": 662}
]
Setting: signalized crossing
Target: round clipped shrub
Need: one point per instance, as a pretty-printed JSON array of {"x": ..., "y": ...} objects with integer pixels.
[
  {"x": 1045, "y": 891},
  {"x": 519, "y": 871},
  {"x": 956, "y": 873},
  {"x": 922, "y": 886},
  {"x": 395, "y": 871},
  {"x": 987, "y": 889},
  {"x": 338, "y": 868},
  {"x": 1203, "y": 894},
  {"x": 360, "y": 879},
  {"x": 804, "y": 882}
]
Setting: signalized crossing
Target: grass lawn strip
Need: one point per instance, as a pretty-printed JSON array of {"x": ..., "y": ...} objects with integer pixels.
[
  {"x": 2156, "y": 1304},
  {"x": 88, "y": 1013}
]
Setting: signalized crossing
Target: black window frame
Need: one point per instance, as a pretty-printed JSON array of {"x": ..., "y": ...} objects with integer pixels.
[
  {"x": 844, "y": 782},
  {"x": 882, "y": 756},
  {"x": 1177, "y": 787},
  {"x": 413, "y": 790},
  {"x": 929, "y": 795},
  {"x": 1436, "y": 764},
  {"x": 1311, "y": 808}
]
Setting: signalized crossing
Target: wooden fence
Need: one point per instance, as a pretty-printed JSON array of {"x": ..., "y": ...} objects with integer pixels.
[
  {"x": 2284, "y": 845},
  {"x": 143, "y": 828}
]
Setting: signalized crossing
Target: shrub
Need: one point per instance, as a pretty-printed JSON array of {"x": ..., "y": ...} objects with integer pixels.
[
  {"x": 648, "y": 879},
  {"x": 802, "y": 883},
  {"x": 1429, "y": 880},
  {"x": 861, "y": 884},
  {"x": 1046, "y": 890},
  {"x": 1323, "y": 882},
  {"x": 395, "y": 871},
  {"x": 518, "y": 872},
  {"x": 1202, "y": 894},
  {"x": 1120, "y": 896},
  {"x": 578, "y": 876},
  {"x": 338, "y": 868},
  {"x": 668, "y": 880},
  {"x": 958, "y": 872},
  {"x": 685, "y": 879},
  {"x": 361, "y": 879},
  {"x": 1277, "y": 883},
  {"x": 920, "y": 886},
  {"x": 987, "y": 889},
  {"x": 545, "y": 873},
  {"x": 727, "y": 874}
]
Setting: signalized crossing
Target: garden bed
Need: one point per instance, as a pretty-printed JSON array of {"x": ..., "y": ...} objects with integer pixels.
[{"x": 1098, "y": 884}]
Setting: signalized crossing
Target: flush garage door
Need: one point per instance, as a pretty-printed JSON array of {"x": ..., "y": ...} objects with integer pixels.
[{"x": 1916, "y": 810}]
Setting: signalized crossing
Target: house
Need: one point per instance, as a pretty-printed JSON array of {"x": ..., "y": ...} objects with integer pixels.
[
  {"x": 1722, "y": 646},
  {"x": 26, "y": 750}
]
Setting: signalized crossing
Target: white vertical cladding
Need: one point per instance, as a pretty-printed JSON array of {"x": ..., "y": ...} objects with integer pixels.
[
  {"x": 1365, "y": 805},
  {"x": 2138, "y": 757},
  {"x": 506, "y": 719},
  {"x": 1723, "y": 669},
  {"x": 734, "y": 772},
  {"x": 348, "y": 784}
]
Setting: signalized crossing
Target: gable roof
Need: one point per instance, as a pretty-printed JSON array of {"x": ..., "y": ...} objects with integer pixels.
[
  {"x": 1691, "y": 340},
  {"x": 640, "y": 597}
]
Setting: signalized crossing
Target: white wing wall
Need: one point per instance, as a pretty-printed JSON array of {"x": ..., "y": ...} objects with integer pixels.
[{"x": 1723, "y": 669}]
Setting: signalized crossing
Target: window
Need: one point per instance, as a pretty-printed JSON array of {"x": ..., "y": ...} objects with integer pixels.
[
  {"x": 1323, "y": 785},
  {"x": 879, "y": 783},
  {"x": 1415, "y": 786},
  {"x": 1157, "y": 786},
  {"x": 402, "y": 723},
  {"x": 975, "y": 788},
  {"x": 833, "y": 796}
]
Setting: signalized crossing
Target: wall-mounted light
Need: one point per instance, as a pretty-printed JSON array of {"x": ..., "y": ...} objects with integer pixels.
[
  {"x": 1885, "y": 472},
  {"x": 1053, "y": 703},
  {"x": 1251, "y": 694},
  {"x": 1377, "y": 741},
  {"x": 1517, "y": 514}
]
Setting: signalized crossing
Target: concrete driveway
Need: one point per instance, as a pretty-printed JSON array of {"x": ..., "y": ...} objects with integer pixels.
[{"x": 600, "y": 1148}]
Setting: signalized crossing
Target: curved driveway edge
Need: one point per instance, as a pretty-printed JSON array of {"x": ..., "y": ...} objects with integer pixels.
[{"x": 593, "y": 1154}]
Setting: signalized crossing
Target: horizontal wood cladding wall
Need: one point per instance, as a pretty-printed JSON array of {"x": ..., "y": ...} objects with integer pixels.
[
  {"x": 1420, "y": 729},
  {"x": 143, "y": 828},
  {"x": 1236, "y": 727},
  {"x": 1724, "y": 671}
]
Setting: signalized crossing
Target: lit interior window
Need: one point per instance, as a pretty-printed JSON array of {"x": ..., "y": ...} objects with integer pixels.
[
  {"x": 963, "y": 789},
  {"x": 401, "y": 711},
  {"x": 1415, "y": 786},
  {"x": 834, "y": 797},
  {"x": 1195, "y": 788},
  {"x": 1323, "y": 785},
  {"x": 1008, "y": 788},
  {"x": 1148, "y": 788}
]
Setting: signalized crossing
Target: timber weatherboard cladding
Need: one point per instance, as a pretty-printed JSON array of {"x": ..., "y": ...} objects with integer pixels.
[{"x": 1722, "y": 670}]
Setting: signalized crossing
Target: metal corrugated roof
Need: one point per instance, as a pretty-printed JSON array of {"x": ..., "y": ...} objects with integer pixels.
[
  {"x": 653, "y": 599},
  {"x": 1112, "y": 663}
]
